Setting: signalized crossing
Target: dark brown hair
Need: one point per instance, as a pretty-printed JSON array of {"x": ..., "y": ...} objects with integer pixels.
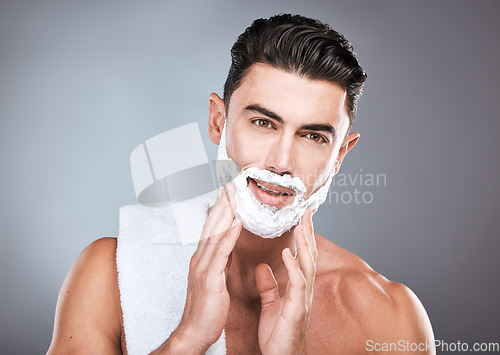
[{"x": 300, "y": 45}]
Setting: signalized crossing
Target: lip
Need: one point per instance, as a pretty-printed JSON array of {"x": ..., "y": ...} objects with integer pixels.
[{"x": 268, "y": 198}]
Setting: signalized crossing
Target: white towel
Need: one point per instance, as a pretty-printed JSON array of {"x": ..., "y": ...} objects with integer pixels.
[{"x": 155, "y": 245}]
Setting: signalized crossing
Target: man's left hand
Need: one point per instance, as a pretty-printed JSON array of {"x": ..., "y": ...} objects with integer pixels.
[{"x": 284, "y": 320}]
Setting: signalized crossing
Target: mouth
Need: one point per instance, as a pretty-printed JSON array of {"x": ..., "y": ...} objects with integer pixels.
[{"x": 271, "y": 194}]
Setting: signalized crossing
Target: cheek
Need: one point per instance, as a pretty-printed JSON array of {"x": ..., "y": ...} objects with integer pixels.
[
  {"x": 315, "y": 170},
  {"x": 245, "y": 146}
]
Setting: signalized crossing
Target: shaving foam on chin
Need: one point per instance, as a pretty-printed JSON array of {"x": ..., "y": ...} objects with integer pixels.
[{"x": 264, "y": 220}]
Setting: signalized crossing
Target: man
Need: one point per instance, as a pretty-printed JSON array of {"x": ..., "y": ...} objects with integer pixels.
[{"x": 289, "y": 103}]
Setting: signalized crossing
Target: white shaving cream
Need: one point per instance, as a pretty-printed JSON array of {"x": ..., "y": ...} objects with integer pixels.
[{"x": 264, "y": 220}]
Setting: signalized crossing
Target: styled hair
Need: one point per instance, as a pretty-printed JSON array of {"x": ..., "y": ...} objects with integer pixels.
[{"x": 300, "y": 45}]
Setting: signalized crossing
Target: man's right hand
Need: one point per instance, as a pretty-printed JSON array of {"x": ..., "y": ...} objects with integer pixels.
[{"x": 207, "y": 300}]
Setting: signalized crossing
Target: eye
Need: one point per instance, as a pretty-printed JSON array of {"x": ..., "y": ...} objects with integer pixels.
[
  {"x": 315, "y": 137},
  {"x": 262, "y": 123}
]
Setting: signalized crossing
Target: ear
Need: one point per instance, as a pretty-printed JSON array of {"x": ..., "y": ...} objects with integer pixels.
[
  {"x": 349, "y": 142},
  {"x": 216, "y": 118}
]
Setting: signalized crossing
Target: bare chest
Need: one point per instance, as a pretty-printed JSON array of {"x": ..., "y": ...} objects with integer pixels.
[
  {"x": 242, "y": 330},
  {"x": 332, "y": 329}
]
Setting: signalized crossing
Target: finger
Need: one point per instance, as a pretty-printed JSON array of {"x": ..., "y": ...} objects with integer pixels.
[
  {"x": 218, "y": 222},
  {"x": 230, "y": 194},
  {"x": 219, "y": 258},
  {"x": 304, "y": 254},
  {"x": 211, "y": 248},
  {"x": 229, "y": 199},
  {"x": 219, "y": 263},
  {"x": 224, "y": 215},
  {"x": 306, "y": 221},
  {"x": 211, "y": 238},
  {"x": 214, "y": 214},
  {"x": 266, "y": 284},
  {"x": 310, "y": 274},
  {"x": 307, "y": 263},
  {"x": 295, "y": 303}
]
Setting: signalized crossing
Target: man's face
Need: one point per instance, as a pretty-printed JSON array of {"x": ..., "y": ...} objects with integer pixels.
[{"x": 286, "y": 124}]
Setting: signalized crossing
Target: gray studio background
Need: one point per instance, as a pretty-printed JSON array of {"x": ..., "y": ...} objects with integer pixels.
[{"x": 83, "y": 83}]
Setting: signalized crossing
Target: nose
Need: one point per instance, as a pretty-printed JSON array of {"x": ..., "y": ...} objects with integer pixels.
[{"x": 281, "y": 157}]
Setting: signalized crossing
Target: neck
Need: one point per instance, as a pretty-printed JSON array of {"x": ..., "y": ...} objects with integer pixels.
[{"x": 251, "y": 250}]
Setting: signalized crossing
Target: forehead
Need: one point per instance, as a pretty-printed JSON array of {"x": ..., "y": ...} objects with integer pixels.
[{"x": 298, "y": 100}]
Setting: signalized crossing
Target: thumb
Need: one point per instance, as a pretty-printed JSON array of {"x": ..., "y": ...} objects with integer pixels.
[{"x": 266, "y": 284}]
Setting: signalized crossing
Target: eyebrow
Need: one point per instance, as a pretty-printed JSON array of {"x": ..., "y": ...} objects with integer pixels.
[
  {"x": 265, "y": 112},
  {"x": 317, "y": 127}
]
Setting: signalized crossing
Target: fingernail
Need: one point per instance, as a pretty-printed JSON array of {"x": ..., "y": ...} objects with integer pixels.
[
  {"x": 219, "y": 193},
  {"x": 233, "y": 224},
  {"x": 230, "y": 188},
  {"x": 289, "y": 253}
]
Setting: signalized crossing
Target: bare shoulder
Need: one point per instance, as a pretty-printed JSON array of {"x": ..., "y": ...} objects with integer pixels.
[
  {"x": 88, "y": 313},
  {"x": 381, "y": 310}
]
